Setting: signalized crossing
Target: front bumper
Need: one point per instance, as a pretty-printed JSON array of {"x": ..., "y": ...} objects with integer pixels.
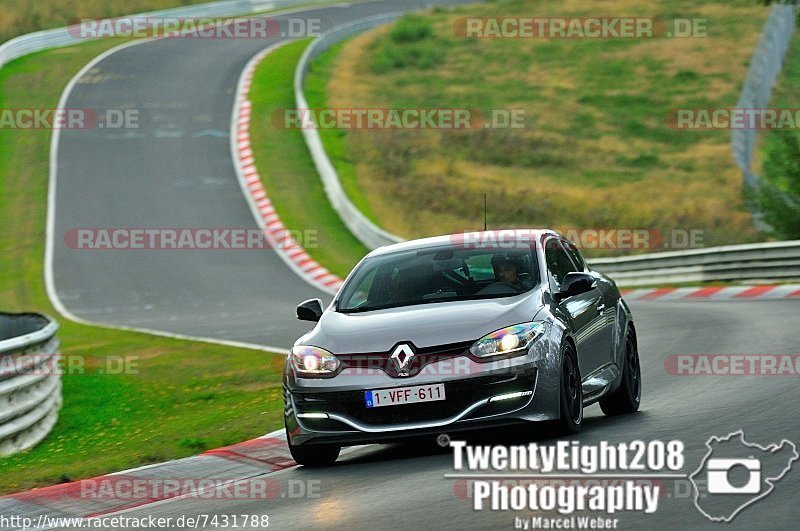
[{"x": 341, "y": 416}]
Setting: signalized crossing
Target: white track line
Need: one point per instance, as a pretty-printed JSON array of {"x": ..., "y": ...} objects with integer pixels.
[{"x": 49, "y": 282}]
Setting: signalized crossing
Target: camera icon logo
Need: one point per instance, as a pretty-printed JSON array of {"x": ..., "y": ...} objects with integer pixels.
[
  {"x": 735, "y": 473},
  {"x": 718, "y": 481}
]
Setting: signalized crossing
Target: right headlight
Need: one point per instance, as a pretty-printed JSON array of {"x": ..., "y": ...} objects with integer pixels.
[
  {"x": 510, "y": 340},
  {"x": 313, "y": 361}
]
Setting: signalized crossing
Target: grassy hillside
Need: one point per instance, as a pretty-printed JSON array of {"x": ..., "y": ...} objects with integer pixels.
[{"x": 596, "y": 149}]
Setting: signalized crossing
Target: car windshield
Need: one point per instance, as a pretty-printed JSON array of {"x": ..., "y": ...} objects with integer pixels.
[{"x": 437, "y": 275}]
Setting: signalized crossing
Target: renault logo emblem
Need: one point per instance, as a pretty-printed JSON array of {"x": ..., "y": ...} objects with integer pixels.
[{"x": 402, "y": 356}]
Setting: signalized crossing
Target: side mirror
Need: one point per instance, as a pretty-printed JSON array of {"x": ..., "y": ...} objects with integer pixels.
[
  {"x": 575, "y": 283},
  {"x": 310, "y": 310}
]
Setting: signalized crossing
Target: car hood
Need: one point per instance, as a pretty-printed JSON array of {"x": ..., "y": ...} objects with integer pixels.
[{"x": 424, "y": 325}]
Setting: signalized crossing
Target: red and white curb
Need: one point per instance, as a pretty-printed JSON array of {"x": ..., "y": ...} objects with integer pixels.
[
  {"x": 210, "y": 475},
  {"x": 275, "y": 231},
  {"x": 714, "y": 293}
]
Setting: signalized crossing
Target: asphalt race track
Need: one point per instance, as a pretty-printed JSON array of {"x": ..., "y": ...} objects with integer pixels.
[
  {"x": 378, "y": 487},
  {"x": 174, "y": 171},
  {"x": 165, "y": 175}
]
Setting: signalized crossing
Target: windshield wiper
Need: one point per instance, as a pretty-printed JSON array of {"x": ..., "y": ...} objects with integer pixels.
[{"x": 362, "y": 309}]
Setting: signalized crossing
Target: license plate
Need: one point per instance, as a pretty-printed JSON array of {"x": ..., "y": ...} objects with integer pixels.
[{"x": 404, "y": 395}]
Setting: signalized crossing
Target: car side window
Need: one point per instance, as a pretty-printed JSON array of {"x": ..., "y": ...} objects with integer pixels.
[
  {"x": 558, "y": 261},
  {"x": 575, "y": 254}
]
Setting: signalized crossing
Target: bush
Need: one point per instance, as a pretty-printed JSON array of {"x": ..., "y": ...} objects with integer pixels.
[
  {"x": 411, "y": 43},
  {"x": 411, "y": 28},
  {"x": 424, "y": 55},
  {"x": 777, "y": 195}
]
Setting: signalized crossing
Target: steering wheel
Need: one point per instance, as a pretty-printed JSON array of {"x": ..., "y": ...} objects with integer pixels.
[{"x": 458, "y": 281}]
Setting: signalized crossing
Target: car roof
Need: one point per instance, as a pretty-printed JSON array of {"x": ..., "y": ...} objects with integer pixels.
[{"x": 474, "y": 238}]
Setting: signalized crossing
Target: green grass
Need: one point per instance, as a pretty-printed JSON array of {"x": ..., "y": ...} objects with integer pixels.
[
  {"x": 286, "y": 168},
  {"x": 185, "y": 396},
  {"x": 596, "y": 150}
]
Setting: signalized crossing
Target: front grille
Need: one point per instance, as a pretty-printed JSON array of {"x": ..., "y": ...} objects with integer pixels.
[
  {"x": 459, "y": 395},
  {"x": 421, "y": 358}
]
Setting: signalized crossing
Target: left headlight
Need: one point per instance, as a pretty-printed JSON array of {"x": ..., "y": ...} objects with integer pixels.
[
  {"x": 510, "y": 340},
  {"x": 313, "y": 361}
]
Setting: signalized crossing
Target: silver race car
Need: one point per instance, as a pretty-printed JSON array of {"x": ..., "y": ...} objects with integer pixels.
[{"x": 459, "y": 332}]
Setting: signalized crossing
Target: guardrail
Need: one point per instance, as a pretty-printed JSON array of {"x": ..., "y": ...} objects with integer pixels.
[
  {"x": 362, "y": 228},
  {"x": 30, "y": 380},
  {"x": 768, "y": 262},
  {"x": 55, "y": 38}
]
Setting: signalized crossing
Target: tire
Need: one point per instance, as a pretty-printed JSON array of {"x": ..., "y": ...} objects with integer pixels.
[
  {"x": 571, "y": 403},
  {"x": 627, "y": 397},
  {"x": 315, "y": 455}
]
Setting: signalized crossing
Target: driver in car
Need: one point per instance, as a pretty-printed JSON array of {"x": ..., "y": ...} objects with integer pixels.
[{"x": 507, "y": 271}]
